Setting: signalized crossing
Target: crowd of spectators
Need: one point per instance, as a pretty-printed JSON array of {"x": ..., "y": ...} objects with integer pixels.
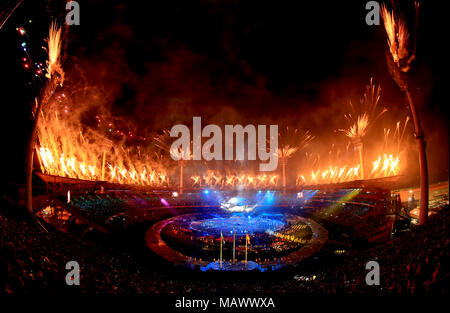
[
  {"x": 33, "y": 260},
  {"x": 99, "y": 207}
]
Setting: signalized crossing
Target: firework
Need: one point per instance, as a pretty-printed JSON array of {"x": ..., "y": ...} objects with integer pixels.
[
  {"x": 398, "y": 38},
  {"x": 54, "y": 44},
  {"x": 69, "y": 150},
  {"x": 291, "y": 141},
  {"x": 358, "y": 128},
  {"x": 365, "y": 115},
  {"x": 384, "y": 166},
  {"x": 239, "y": 180},
  {"x": 362, "y": 119},
  {"x": 395, "y": 140},
  {"x": 4, "y": 19},
  {"x": 286, "y": 152},
  {"x": 163, "y": 142}
]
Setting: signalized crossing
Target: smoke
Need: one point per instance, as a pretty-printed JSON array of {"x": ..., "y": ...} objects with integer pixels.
[{"x": 144, "y": 85}]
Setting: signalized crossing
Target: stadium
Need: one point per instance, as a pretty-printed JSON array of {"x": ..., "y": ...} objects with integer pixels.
[
  {"x": 103, "y": 201},
  {"x": 172, "y": 239}
]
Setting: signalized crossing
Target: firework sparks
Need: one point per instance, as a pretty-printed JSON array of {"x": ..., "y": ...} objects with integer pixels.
[
  {"x": 286, "y": 152},
  {"x": 398, "y": 39},
  {"x": 291, "y": 142},
  {"x": 384, "y": 166},
  {"x": 365, "y": 115},
  {"x": 360, "y": 125},
  {"x": 358, "y": 128},
  {"x": 54, "y": 44},
  {"x": 66, "y": 149},
  {"x": 215, "y": 180}
]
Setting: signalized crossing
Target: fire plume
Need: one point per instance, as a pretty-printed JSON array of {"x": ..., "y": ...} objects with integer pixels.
[
  {"x": 216, "y": 180},
  {"x": 66, "y": 150},
  {"x": 398, "y": 38},
  {"x": 54, "y": 44},
  {"x": 384, "y": 166}
]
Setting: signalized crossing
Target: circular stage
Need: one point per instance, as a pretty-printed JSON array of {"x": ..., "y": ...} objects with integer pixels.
[
  {"x": 259, "y": 242},
  {"x": 240, "y": 225}
]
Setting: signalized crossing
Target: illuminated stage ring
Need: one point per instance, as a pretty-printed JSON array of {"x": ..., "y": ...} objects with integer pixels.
[
  {"x": 239, "y": 224},
  {"x": 154, "y": 241}
]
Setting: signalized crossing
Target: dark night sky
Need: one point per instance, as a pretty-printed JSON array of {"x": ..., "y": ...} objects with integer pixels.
[{"x": 237, "y": 62}]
